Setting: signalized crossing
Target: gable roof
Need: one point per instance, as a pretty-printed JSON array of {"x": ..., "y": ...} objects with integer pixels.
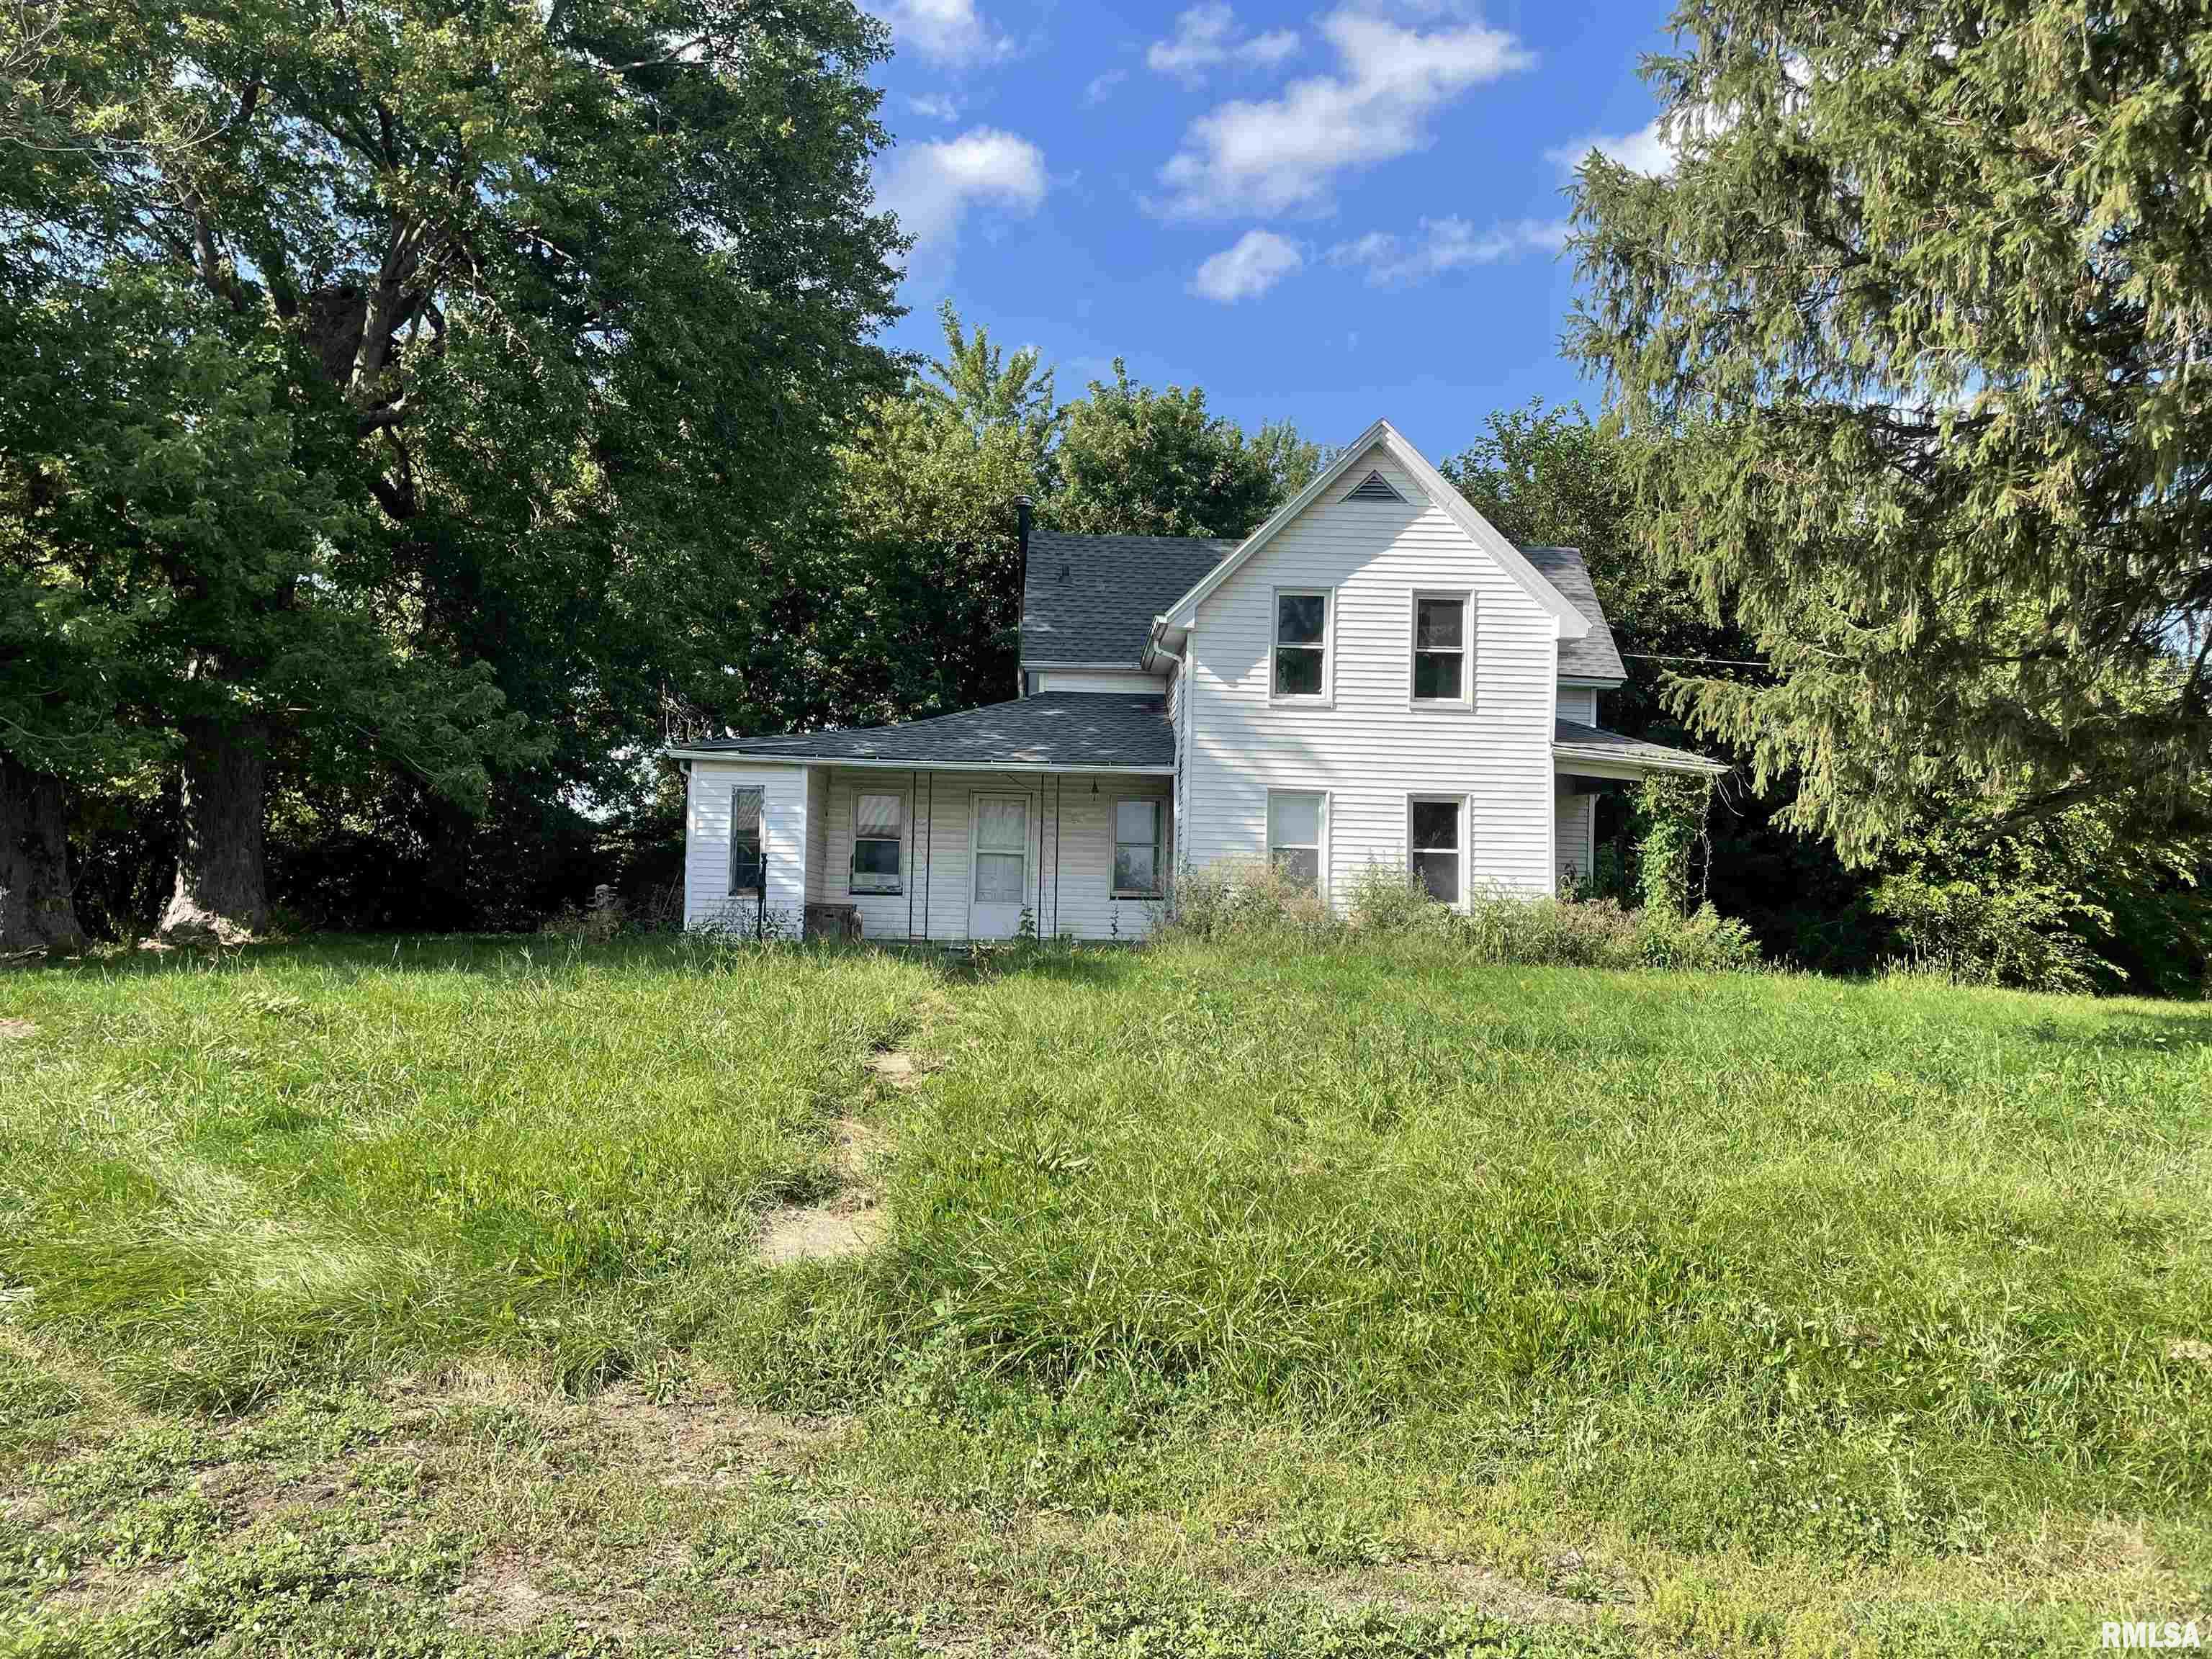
[
  {"x": 1080, "y": 730},
  {"x": 1572, "y": 624},
  {"x": 1593, "y": 656},
  {"x": 1092, "y": 599}
]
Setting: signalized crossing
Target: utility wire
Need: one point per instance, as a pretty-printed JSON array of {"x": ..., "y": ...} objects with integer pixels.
[{"x": 1732, "y": 662}]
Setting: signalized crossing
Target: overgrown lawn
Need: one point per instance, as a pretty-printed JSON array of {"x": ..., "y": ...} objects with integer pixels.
[{"x": 1234, "y": 1299}]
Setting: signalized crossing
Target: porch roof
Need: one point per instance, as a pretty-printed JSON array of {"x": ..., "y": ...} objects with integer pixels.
[
  {"x": 1064, "y": 731},
  {"x": 1573, "y": 741}
]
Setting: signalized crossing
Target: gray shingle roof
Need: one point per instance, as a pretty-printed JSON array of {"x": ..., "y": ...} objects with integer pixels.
[
  {"x": 1071, "y": 729},
  {"x": 1092, "y": 599},
  {"x": 1593, "y": 656},
  {"x": 1597, "y": 743}
]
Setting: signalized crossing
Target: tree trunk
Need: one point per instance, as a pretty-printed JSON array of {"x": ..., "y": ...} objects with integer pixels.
[
  {"x": 37, "y": 912},
  {"x": 220, "y": 894}
]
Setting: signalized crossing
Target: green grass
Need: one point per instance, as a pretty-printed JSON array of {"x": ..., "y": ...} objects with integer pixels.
[{"x": 1235, "y": 1299}]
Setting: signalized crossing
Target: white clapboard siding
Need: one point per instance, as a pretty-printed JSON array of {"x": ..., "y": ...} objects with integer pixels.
[
  {"x": 1132, "y": 683},
  {"x": 1071, "y": 863},
  {"x": 706, "y": 898},
  {"x": 1575, "y": 818},
  {"x": 1578, "y": 702},
  {"x": 1369, "y": 750},
  {"x": 818, "y": 830}
]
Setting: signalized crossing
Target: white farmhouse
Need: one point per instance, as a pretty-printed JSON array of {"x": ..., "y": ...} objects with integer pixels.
[{"x": 1375, "y": 676}]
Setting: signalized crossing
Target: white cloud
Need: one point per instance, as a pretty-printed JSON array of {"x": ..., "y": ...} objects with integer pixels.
[
  {"x": 1281, "y": 155},
  {"x": 936, "y": 105},
  {"x": 1444, "y": 245},
  {"x": 944, "y": 31},
  {"x": 1254, "y": 263},
  {"x": 1205, "y": 38},
  {"x": 1101, "y": 85},
  {"x": 1645, "y": 151},
  {"x": 932, "y": 187}
]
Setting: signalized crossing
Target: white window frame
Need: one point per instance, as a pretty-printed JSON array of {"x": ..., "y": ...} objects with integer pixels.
[
  {"x": 1429, "y": 798},
  {"x": 1326, "y": 694},
  {"x": 1159, "y": 807},
  {"x": 1320, "y": 852},
  {"x": 853, "y": 881},
  {"x": 760, "y": 839},
  {"x": 1466, "y": 601}
]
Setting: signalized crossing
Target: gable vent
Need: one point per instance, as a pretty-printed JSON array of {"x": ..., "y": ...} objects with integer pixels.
[{"x": 1374, "y": 488}]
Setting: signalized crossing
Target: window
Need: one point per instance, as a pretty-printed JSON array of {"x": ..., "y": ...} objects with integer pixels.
[
  {"x": 1301, "y": 645},
  {"x": 747, "y": 867},
  {"x": 1440, "y": 647},
  {"x": 1294, "y": 834},
  {"x": 1436, "y": 847},
  {"x": 876, "y": 844},
  {"x": 1136, "y": 849}
]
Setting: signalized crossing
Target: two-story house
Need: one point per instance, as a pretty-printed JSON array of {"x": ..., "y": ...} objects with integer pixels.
[{"x": 1375, "y": 676}]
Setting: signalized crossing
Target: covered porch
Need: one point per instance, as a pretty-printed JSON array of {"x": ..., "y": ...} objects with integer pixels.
[
  {"x": 1051, "y": 816},
  {"x": 1586, "y": 761}
]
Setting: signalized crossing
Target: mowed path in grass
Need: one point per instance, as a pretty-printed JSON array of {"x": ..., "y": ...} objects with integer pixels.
[{"x": 1256, "y": 1296}]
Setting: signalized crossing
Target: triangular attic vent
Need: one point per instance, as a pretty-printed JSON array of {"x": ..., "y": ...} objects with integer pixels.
[{"x": 1374, "y": 488}]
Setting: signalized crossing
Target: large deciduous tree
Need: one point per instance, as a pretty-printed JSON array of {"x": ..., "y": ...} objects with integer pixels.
[
  {"x": 1137, "y": 461},
  {"x": 1923, "y": 308},
  {"x": 517, "y": 328}
]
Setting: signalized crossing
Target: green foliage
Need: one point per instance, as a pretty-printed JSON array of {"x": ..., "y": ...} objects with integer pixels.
[
  {"x": 1226, "y": 903},
  {"x": 2015, "y": 935},
  {"x": 418, "y": 420},
  {"x": 1915, "y": 319},
  {"x": 1136, "y": 461},
  {"x": 1670, "y": 817}
]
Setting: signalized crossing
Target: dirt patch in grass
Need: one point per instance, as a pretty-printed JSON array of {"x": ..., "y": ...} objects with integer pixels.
[
  {"x": 899, "y": 1068},
  {"x": 700, "y": 1438},
  {"x": 17, "y": 1028},
  {"x": 847, "y": 1223},
  {"x": 497, "y": 1596}
]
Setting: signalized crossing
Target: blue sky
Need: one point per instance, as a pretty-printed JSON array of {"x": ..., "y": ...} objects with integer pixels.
[{"x": 1329, "y": 214}]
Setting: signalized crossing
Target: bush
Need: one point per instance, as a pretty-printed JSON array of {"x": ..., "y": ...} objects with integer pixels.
[
  {"x": 2023, "y": 936},
  {"x": 1252, "y": 901}
]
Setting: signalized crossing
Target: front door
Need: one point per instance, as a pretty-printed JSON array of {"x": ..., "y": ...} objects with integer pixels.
[{"x": 998, "y": 851}]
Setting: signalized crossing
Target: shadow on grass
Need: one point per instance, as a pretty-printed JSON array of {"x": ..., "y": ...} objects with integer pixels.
[{"x": 2140, "y": 1033}]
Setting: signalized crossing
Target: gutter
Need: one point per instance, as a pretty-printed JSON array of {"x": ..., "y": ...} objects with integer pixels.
[{"x": 918, "y": 765}]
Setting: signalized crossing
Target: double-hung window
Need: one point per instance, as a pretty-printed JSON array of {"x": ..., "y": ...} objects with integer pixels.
[
  {"x": 1302, "y": 621},
  {"x": 1137, "y": 848},
  {"x": 877, "y": 821},
  {"x": 745, "y": 863},
  {"x": 1440, "y": 653},
  {"x": 1296, "y": 820},
  {"x": 1439, "y": 841}
]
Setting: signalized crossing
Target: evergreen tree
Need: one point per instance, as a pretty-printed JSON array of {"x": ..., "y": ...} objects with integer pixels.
[{"x": 1919, "y": 311}]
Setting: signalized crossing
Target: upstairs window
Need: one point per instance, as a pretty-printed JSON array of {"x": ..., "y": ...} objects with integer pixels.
[
  {"x": 1440, "y": 647},
  {"x": 877, "y": 844},
  {"x": 1137, "y": 850},
  {"x": 747, "y": 867},
  {"x": 1437, "y": 846},
  {"x": 1302, "y": 645}
]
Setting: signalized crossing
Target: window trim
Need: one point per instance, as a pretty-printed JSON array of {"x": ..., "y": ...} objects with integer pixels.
[
  {"x": 1465, "y": 700},
  {"x": 1158, "y": 804},
  {"x": 1327, "y": 696},
  {"x": 1320, "y": 852},
  {"x": 1465, "y": 850},
  {"x": 897, "y": 888},
  {"x": 760, "y": 840}
]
